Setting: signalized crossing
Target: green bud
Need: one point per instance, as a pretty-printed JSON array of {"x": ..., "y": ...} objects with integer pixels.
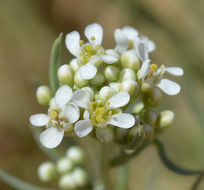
[
  {"x": 166, "y": 118},
  {"x": 120, "y": 134},
  {"x": 98, "y": 79},
  {"x": 74, "y": 65},
  {"x": 64, "y": 165},
  {"x": 135, "y": 137},
  {"x": 111, "y": 73},
  {"x": 138, "y": 107},
  {"x": 80, "y": 177},
  {"x": 129, "y": 86},
  {"x": 65, "y": 75},
  {"x": 115, "y": 86},
  {"x": 149, "y": 131},
  {"x": 90, "y": 91},
  {"x": 79, "y": 81},
  {"x": 67, "y": 182},
  {"x": 47, "y": 172},
  {"x": 76, "y": 154},
  {"x": 44, "y": 95},
  {"x": 130, "y": 60},
  {"x": 105, "y": 134},
  {"x": 153, "y": 97},
  {"x": 145, "y": 87},
  {"x": 127, "y": 74},
  {"x": 150, "y": 117},
  {"x": 96, "y": 60},
  {"x": 105, "y": 93}
]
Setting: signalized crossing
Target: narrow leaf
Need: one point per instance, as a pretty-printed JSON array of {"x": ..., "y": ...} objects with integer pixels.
[
  {"x": 55, "y": 62},
  {"x": 17, "y": 183}
]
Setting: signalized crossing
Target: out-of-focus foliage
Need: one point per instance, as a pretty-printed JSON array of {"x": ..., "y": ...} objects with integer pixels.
[{"x": 28, "y": 28}]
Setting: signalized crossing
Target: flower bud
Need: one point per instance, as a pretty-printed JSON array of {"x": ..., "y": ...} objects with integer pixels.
[
  {"x": 115, "y": 86},
  {"x": 65, "y": 75},
  {"x": 135, "y": 137},
  {"x": 112, "y": 52},
  {"x": 80, "y": 177},
  {"x": 149, "y": 131},
  {"x": 166, "y": 118},
  {"x": 64, "y": 165},
  {"x": 150, "y": 117},
  {"x": 74, "y": 65},
  {"x": 89, "y": 91},
  {"x": 96, "y": 60},
  {"x": 129, "y": 86},
  {"x": 127, "y": 74},
  {"x": 120, "y": 134},
  {"x": 43, "y": 94},
  {"x": 105, "y": 93},
  {"x": 47, "y": 172},
  {"x": 98, "y": 79},
  {"x": 67, "y": 182},
  {"x": 79, "y": 81},
  {"x": 138, "y": 107},
  {"x": 105, "y": 134},
  {"x": 145, "y": 87},
  {"x": 76, "y": 154},
  {"x": 130, "y": 60},
  {"x": 111, "y": 73},
  {"x": 153, "y": 97}
]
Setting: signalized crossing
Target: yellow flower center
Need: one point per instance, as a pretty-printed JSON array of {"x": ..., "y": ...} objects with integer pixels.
[
  {"x": 56, "y": 119},
  {"x": 100, "y": 112}
]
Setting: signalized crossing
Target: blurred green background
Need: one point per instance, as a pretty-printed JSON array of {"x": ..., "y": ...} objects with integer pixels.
[{"x": 27, "y": 30}]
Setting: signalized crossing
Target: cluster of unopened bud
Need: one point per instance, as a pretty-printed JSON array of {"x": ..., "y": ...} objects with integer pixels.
[{"x": 68, "y": 170}]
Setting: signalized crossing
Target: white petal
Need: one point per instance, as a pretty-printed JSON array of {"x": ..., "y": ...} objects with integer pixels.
[
  {"x": 169, "y": 87},
  {"x": 63, "y": 95},
  {"x": 144, "y": 69},
  {"x": 177, "y": 71},
  {"x": 151, "y": 46},
  {"x": 51, "y": 137},
  {"x": 142, "y": 50},
  {"x": 130, "y": 32},
  {"x": 71, "y": 112},
  {"x": 81, "y": 99},
  {"x": 86, "y": 114},
  {"x": 39, "y": 120},
  {"x": 122, "y": 120},
  {"x": 118, "y": 100},
  {"x": 121, "y": 40},
  {"x": 88, "y": 71},
  {"x": 83, "y": 128},
  {"x": 72, "y": 42},
  {"x": 94, "y": 30},
  {"x": 109, "y": 59}
]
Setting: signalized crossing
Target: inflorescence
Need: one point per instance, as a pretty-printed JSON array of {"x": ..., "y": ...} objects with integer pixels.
[{"x": 108, "y": 94}]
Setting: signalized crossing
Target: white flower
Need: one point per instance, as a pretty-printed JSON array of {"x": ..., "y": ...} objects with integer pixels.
[
  {"x": 88, "y": 53},
  {"x": 128, "y": 38},
  {"x": 59, "y": 118},
  {"x": 167, "y": 86},
  {"x": 101, "y": 113}
]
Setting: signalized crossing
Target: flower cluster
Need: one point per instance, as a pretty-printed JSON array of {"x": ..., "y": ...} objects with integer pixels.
[
  {"x": 68, "y": 170},
  {"x": 109, "y": 94}
]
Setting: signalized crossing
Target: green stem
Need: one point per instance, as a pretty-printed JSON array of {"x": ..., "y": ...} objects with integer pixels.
[
  {"x": 172, "y": 166},
  {"x": 17, "y": 183},
  {"x": 122, "y": 178},
  {"x": 124, "y": 157}
]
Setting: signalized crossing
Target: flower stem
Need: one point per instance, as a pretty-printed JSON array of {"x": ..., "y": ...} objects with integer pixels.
[{"x": 122, "y": 177}]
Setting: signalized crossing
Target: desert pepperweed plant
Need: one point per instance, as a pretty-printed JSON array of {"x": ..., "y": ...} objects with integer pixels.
[{"x": 110, "y": 97}]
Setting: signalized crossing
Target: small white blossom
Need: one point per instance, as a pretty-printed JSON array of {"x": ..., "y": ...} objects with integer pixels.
[
  {"x": 59, "y": 118},
  {"x": 100, "y": 113},
  {"x": 88, "y": 53},
  {"x": 150, "y": 74}
]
